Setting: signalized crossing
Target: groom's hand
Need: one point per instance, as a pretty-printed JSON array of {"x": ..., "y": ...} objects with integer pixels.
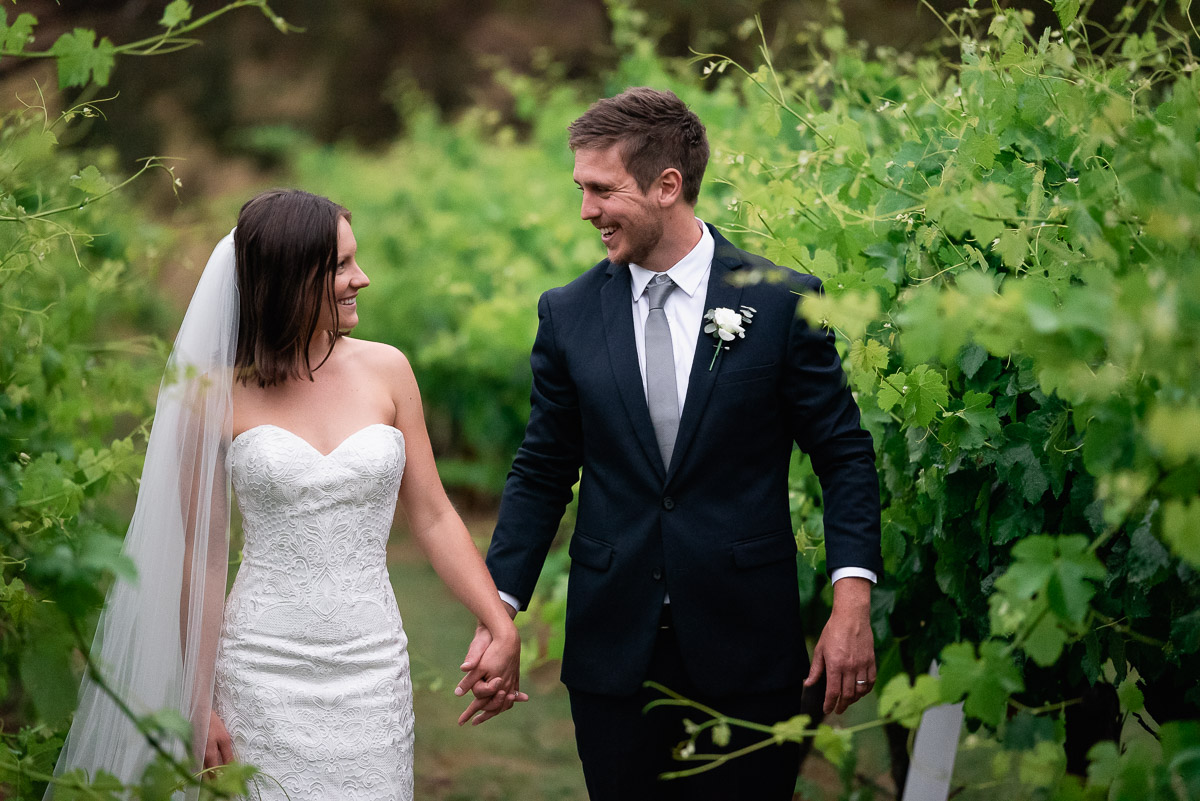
[
  {"x": 489, "y": 701},
  {"x": 846, "y": 650}
]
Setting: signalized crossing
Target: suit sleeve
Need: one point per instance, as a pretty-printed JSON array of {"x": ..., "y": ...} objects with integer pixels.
[
  {"x": 544, "y": 471},
  {"x": 826, "y": 426}
]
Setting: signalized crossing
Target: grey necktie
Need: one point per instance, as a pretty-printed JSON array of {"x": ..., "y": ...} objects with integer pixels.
[{"x": 661, "y": 393}]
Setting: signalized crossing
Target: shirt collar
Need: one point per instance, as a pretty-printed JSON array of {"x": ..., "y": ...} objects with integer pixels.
[{"x": 687, "y": 273}]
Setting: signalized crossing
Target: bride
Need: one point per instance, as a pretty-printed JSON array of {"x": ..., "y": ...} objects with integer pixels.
[{"x": 303, "y": 670}]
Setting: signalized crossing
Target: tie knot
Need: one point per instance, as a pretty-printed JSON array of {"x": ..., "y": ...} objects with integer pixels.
[{"x": 657, "y": 290}]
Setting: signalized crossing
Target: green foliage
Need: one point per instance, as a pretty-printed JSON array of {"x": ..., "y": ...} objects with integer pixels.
[
  {"x": 83, "y": 61},
  {"x": 74, "y": 394},
  {"x": 1024, "y": 220},
  {"x": 80, "y": 358}
]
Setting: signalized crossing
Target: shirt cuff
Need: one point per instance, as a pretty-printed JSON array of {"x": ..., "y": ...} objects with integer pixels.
[
  {"x": 512, "y": 601},
  {"x": 843, "y": 572}
]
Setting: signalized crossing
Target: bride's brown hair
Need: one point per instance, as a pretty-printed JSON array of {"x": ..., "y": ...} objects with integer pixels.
[{"x": 286, "y": 251}]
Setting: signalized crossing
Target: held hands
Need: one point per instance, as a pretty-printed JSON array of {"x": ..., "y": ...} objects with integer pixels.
[
  {"x": 492, "y": 665},
  {"x": 845, "y": 651}
]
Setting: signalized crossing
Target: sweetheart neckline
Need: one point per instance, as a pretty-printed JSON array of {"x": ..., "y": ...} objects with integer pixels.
[{"x": 312, "y": 447}]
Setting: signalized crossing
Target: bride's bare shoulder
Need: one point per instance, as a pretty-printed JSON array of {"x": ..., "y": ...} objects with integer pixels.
[{"x": 378, "y": 357}]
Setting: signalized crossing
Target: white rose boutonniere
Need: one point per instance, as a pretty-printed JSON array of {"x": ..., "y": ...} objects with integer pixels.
[{"x": 727, "y": 325}]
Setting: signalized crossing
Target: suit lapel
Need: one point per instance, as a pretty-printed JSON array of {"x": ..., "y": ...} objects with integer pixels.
[
  {"x": 721, "y": 293},
  {"x": 616, "y": 304}
]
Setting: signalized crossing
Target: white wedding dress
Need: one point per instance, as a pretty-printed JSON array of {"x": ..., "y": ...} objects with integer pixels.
[{"x": 312, "y": 677}]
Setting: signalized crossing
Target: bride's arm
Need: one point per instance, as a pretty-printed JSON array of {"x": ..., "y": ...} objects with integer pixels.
[
  {"x": 441, "y": 533},
  {"x": 204, "y": 486}
]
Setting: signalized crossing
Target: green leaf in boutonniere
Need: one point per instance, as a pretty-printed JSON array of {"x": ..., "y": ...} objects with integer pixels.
[{"x": 727, "y": 325}]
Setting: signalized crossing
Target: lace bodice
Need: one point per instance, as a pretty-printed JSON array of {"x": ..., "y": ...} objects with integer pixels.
[{"x": 316, "y": 525}]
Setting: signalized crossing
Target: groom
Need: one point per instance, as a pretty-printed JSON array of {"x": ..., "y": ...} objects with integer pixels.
[{"x": 683, "y": 560}]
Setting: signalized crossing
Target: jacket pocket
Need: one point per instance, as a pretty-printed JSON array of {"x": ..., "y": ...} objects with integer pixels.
[
  {"x": 589, "y": 552},
  {"x": 747, "y": 374},
  {"x": 764, "y": 550}
]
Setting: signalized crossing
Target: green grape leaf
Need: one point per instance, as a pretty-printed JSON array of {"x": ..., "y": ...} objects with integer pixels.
[
  {"x": 81, "y": 59},
  {"x": 1044, "y": 641},
  {"x": 1025, "y": 469},
  {"x": 1130, "y": 696},
  {"x": 1060, "y": 567},
  {"x": 101, "y": 552},
  {"x": 1043, "y": 765},
  {"x": 44, "y": 480},
  {"x": 869, "y": 355},
  {"x": 924, "y": 394},
  {"x": 980, "y": 149},
  {"x": 1181, "y": 751},
  {"x": 159, "y": 781},
  {"x": 1066, "y": 10},
  {"x": 168, "y": 722},
  {"x": 1181, "y": 529},
  {"x": 834, "y": 744},
  {"x": 1012, "y": 245},
  {"x": 891, "y": 389},
  {"x": 1025, "y": 730},
  {"x": 971, "y": 358},
  {"x": 1148, "y": 560},
  {"x": 1185, "y": 632},
  {"x": 986, "y": 680},
  {"x": 232, "y": 780},
  {"x": 16, "y": 601},
  {"x": 1176, "y": 431},
  {"x": 973, "y": 425},
  {"x": 45, "y": 666},
  {"x": 13, "y": 38},
  {"x": 769, "y": 119},
  {"x": 1075, "y": 568},
  {"x": 794, "y": 729},
  {"x": 906, "y": 702},
  {"x": 176, "y": 13},
  {"x": 90, "y": 181},
  {"x": 920, "y": 394}
]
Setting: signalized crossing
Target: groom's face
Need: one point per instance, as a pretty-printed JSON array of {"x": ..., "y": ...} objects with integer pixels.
[{"x": 630, "y": 223}]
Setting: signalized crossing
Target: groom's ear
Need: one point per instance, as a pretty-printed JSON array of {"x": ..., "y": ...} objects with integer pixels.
[{"x": 669, "y": 187}]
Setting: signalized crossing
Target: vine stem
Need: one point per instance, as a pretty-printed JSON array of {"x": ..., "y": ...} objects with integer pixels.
[
  {"x": 181, "y": 770},
  {"x": 150, "y": 163},
  {"x": 153, "y": 45}
]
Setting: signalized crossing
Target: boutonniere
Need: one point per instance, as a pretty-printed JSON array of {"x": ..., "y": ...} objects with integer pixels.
[{"x": 727, "y": 325}]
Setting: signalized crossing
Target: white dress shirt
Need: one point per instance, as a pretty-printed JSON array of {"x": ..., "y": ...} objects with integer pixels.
[{"x": 684, "y": 309}]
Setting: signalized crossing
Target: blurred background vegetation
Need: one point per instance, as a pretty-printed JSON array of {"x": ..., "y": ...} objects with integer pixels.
[{"x": 911, "y": 154}]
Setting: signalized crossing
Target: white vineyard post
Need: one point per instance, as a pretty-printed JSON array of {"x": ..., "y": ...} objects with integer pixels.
[{"x": 936, "y": 746}]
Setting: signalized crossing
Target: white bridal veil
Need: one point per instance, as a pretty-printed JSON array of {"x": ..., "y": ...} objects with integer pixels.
[{"x": 157, "y": 637}]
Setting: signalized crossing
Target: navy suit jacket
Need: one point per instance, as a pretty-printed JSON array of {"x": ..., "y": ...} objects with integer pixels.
[{"x": 712, "y": 528}]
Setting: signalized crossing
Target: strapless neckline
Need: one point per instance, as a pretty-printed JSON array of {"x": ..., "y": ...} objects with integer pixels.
[{"x": 271, "y": 426}]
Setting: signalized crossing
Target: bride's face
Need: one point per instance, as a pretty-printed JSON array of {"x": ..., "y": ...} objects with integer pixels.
[{"x": 347, "y": 280}]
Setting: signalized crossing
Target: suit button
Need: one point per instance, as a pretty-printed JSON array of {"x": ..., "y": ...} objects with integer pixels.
[
  {"x": 668, "y": 503},
  {"x": 657, "y": 574}
]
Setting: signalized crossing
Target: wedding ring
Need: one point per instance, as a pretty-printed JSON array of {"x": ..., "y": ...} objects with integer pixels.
[{"x": 860, "y": 681}]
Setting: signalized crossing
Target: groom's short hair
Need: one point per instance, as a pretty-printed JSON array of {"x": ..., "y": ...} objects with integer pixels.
[{"x": 655, "y": 130}]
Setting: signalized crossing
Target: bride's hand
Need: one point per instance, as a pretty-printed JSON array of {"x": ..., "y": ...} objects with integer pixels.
[
  {"x": 492, "y": 666},
  {"x": 219, "y": 749}
]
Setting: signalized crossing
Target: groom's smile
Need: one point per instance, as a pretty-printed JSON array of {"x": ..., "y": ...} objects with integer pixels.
[{"x": 630, "y": 224}]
